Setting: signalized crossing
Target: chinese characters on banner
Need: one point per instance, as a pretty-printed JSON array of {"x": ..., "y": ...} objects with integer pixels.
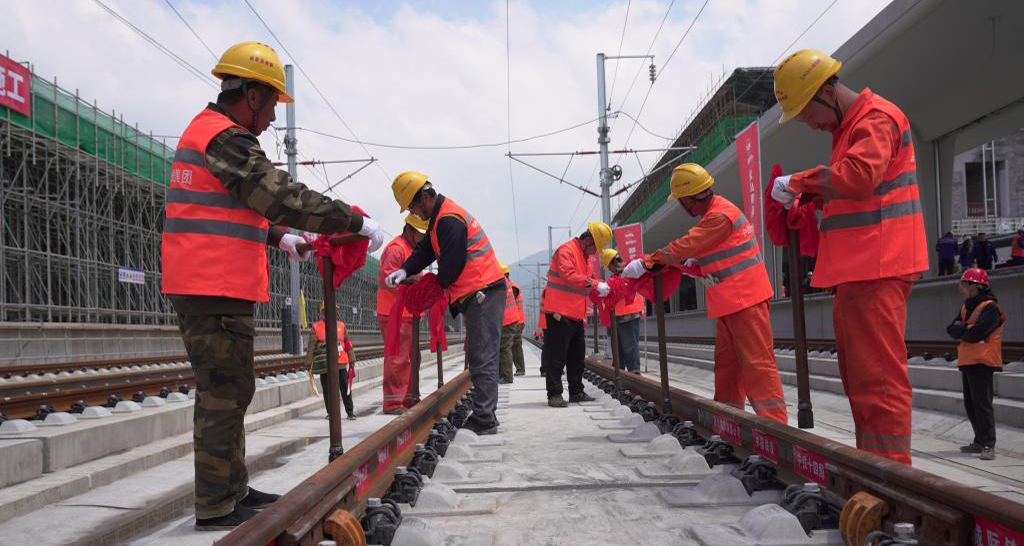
[
  {"x": 748, "y": 149},
  {"x": 728, "y": 429},
  {"x": 766, "y": 445},
  {"x": 15, "y": 86},
  {"x": 987, "y": 533},
  {"x": 629, "y": 240},
  {"x": 809, "y": 465}
]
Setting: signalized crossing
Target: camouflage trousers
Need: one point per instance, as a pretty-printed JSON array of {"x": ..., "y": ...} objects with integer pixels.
[
  {"x": 221, "y": 350},
  {"x": 511, "y": 351}
]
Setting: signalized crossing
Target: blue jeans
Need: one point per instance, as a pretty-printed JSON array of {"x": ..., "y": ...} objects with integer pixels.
[{"x": 629, "y": 345}]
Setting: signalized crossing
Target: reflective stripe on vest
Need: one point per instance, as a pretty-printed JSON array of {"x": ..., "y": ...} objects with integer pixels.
[
  {"x": 212, "y": 244},
  {"x": 988, "y": 351},
  {"x": 320, "y": 353},
  {"x": 511, "y": 310},
  {"x": 883, "y": 234},
  {"x": 385, "y": 295},
  {"x": 559, "y": 297},
  {"x": 482, "y": 267},
  {"x": 735, "y": 264}
]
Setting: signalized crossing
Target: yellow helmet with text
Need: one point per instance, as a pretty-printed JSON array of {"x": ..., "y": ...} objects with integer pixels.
[
  {"x": 798, "y": 79},
  {"x": 688, "y": 180},
  {"x": 254, "y": 61},
  {"x": 405, "y": 187}
]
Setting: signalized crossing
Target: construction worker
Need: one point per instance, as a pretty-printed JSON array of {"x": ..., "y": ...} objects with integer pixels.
[
  {"x": 224, "y": 195},
  {"x": 470, "y": 274},
  {"x": 316, "y": 361},
  {"x": 872, "y": 246},
  {"x": 511, "y": 331},
  {"x": 564, "y": 304},
  {"x": 627, "y": 316},
  {"x": 397, "y": 367},
  {"x": 979, "y": 328},
  {"x": 737, "y": 290}
]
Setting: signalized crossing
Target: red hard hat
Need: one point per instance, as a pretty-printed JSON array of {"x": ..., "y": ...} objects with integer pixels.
[{"x": 975, "y": 275}]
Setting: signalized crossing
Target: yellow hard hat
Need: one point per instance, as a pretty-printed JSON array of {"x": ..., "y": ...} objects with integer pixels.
[
  {"x": 405, "y": 187},
  {"x": 504, "y": 268},
  {"x": 607, "y": 255},
  {"x": 799, "y": 77},
  {"x": 254, "y": 61},
  {"x": 417, "y": 223},
  {"x": 688, "y": 180},
  {"x": 601, "y": 232}
]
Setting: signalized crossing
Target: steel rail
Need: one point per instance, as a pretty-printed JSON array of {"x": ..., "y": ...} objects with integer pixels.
[
  {"x": 943, "y": 511},
  {"x": 364, "y": 471},
  {"x": 1012, "y": 350}
]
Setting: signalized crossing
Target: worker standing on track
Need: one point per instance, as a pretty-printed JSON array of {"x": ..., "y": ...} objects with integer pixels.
[
  {"x": 222, "y": 193},
  {"x": 316, "y": 361},
  {"x": 737, "y": 291},
  {"x": 872, "y": 245},
  {"x": 511, "y": 331},
  {"x": 627, "y": 316},
  {"x": 979, "y": 328},
  {"x": 470, "y": 274},
  {"x": 397, "y": 367},
  {"x": 564, "y": 304}
]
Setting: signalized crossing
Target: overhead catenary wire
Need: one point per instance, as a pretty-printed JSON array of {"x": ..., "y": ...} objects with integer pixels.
[
  {"x": 508, "y": 110},
  {"x": 192, "y": 30},
  {"x": 622, "y": 38}
]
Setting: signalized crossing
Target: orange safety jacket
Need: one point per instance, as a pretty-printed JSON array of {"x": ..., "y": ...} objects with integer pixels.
[
  {"x": 736, "y": 265},
  {"x": 881, "y": 235},
  {"x": 562, "y": 296},
  {"x": 988, "y": 352},
  {"x": 319, "y": 328},
  {"x": 385, "y": 295},
  {"x": 212, "y": 244},
  {"x": 634, "y": 307},
  {"x": 519, "y": 305},
  {"x": 513, "y": 314},
  {"x": 1017, "y": 247},
  {"x": 482, "y": 267}
]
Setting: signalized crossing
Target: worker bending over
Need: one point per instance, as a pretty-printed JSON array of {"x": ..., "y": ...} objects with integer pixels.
[
  {"x": 872, "y": 245},
  {"x": 397, "y": 367},
  {"x": 627, "y": 316},
  {"x": 224, "y": 195},
  {"x": 316, "y": 361},
  {"x": 564, "y": 305},
  {"x": 512, "y": 332},
  {"x": 737, "y": 290},
  {"x": 470, "y": 274}
]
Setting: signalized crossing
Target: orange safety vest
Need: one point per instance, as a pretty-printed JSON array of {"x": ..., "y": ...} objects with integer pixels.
[
  {"x": 212, "y": 244},
  {"x": 736, "y": 264},
  {"x": 542, "y": 321},
  {"x": 561, "y": 298},
  {"x": 511, "y": 309},
  {"x": 520, "y": 312},
  {"x": 988, "y": 352},
  {"x": 1017, "y": 248},
  {"x": 321, "y": 335},
  {"x": 634, "y": 307},
  {"x": 882, "y": 236},
  {"x": 482, "y": 267},
  {"x": 385, "y": 295}
]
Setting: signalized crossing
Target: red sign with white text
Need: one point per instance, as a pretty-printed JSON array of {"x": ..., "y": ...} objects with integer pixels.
[
  {"x": 362, "y": 478},
  {"x": 15, "y": 86},
  {"x": 766, "y": 445},
  {"x": 405, "y": 440},
  {"x": 629, "y": 240},
  {"x": 748, "y": 150},
  {"x": 987, "y": 533},
  {"x": 728, "y": 429},
  {"x": 383, "y": 458},
  {"x": 809, "y": 465}
]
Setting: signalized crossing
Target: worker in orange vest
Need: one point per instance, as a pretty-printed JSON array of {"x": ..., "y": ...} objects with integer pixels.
[
  {"x": 1017, "y": 248},
  {"x": 224, "y": 195},
  {"x": 316, "y": 361},
  {"x": 737, "y": 290},
  {"x": 397, "y": 367},
  {"x": 569, "y": 281},
  {"x": 627, "y": 316},
  {"x": 872, "y": 245},
  {"x": 979, "y": 328},
  {"x": 470, "y": 274},
  {"x": 511, "y": 332}
]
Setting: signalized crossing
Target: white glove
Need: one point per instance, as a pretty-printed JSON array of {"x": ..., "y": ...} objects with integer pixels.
[
  {"x": 781, "y": 191},
  {"x": 395, "y": 278},
  {"x": 288, "y": 243},
  {"x": 691, "y": 262},
  {"x": 708, "y": 281},
  {"x": 603, "y": 289},
  {"x": 634, "y": 269},
  {"x": 371, "y": 230}
]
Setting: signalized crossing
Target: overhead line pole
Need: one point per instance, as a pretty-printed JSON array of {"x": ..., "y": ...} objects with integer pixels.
[{"x": 292, "y": 303}]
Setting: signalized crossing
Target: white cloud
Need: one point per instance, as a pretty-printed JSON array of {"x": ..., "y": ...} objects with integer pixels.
[{"x": 419, "y": 77}]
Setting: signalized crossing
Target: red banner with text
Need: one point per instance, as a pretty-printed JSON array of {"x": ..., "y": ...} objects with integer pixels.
[
  {"x": 748, "y": 150},
  {"x": 15, "y": 86},
  {"x": 629, "y": 240}
]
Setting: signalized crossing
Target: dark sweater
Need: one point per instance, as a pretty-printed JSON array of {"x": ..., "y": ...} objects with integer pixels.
[{"x": 987, "y": 322}]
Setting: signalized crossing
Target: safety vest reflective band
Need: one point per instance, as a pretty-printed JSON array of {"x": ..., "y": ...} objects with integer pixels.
[
  {"x": 511, "y": 308},
  {"x": 520, "y": 312},
  {"x": 482, "y": 267},
  {"x": 320, "y": 352},
  {"x": 212, "y": 244},
  {"x": 559, "y": 296},
  {"x": 880, "y": 236},
  {"x": 989, "y": 351},
  {"x": 736, "y": 264},
  {"x": 385, "y": 295}
]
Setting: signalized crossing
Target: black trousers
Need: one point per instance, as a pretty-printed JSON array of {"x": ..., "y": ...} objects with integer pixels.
[
  {"x": 946, "y": 266},
  {"x": 564, "y": 348},
  {"x": 978, "y": 388},
  {"x": 346, "y": 394}
]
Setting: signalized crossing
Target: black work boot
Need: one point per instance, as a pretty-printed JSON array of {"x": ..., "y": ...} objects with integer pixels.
[
  {"x": 580, "y": 397},
  {"x": 479, "y": 427},
  {"x": 557, "y": 401},
  {"x": 258, "y": 499},
  {"x": 971, "y": 448},
  {"x": 238, "y": 516}
]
